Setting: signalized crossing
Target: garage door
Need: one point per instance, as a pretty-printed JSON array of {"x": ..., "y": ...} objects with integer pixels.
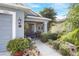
[{"x": 5, "y": 30}]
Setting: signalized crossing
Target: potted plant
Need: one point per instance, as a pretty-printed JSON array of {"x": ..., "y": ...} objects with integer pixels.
[{"x": 18, "y": 45}]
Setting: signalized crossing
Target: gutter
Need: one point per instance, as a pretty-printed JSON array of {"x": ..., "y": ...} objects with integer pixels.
[
  {"x": 41, "y": 18},
  {"x": 14, "y": 6},
  {"x": 18, "y": 7}
]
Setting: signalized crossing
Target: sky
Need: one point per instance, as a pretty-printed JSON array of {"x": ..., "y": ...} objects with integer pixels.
[{"x": 60, "y": 8}]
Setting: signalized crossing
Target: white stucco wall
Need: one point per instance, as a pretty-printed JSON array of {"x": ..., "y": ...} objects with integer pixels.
[
  {"x": 20, "y": 31},
  {"x": 19, "y": 14}
]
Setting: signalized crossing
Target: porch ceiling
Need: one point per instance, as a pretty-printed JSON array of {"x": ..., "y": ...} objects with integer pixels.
[{"x": 37, "y": 19}]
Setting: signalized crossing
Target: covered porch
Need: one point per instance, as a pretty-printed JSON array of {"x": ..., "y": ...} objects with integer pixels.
[{"x": 37, "y": 24}]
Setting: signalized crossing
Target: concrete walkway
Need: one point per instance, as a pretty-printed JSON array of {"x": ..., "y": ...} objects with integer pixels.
[
  {"x": 46, "y": 50},
  {"x": 43, "y": 48}
]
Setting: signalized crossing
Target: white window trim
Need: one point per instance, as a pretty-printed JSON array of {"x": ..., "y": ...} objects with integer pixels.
[{"x": 13, "y": 21}]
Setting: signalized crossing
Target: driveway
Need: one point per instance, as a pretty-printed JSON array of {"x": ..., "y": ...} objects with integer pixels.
[
  {"x": 5, "y": 53},
  {"x": 46, "y": 50}
]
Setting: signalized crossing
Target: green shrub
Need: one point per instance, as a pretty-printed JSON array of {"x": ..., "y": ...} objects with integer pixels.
[
  {"x": 52, "y": 36},
  {"x": 72, "y": 37},
  {"x": 77, "y": 53},
  {"x": 56, "y": 44},
  {"x": 44, "y": 37},
  {"x": 50, "y": 41},
  {"x": 64, "y": 49},
  {"x": 18, "y": 44}
]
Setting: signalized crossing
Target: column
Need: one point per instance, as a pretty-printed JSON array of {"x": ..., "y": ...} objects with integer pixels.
[
  {"x": 34, "y": 27},
  {"x": 14, "y": 26},
  {"x": 45, "y": 26}
]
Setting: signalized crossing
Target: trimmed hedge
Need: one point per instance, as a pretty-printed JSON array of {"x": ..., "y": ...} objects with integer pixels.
[
  {"x": 63, "y": 48},
  {"x": 56, "y": 44},
  {"x": 52, "y": 36},
  {"x": 78, "y": 53},
  {"x": 46, "y": 36}
]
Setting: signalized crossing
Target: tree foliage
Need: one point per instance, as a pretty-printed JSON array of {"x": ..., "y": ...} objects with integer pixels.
[
  {"x": 73, "y": 16},
  {"x": 49, "y": 13},
  {"x": 72, "y": 37}
]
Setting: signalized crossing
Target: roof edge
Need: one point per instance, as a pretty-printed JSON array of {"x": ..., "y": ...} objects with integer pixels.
[
  {"x": 14, "y": 6},
  {"x": 39, "y": 18}
]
